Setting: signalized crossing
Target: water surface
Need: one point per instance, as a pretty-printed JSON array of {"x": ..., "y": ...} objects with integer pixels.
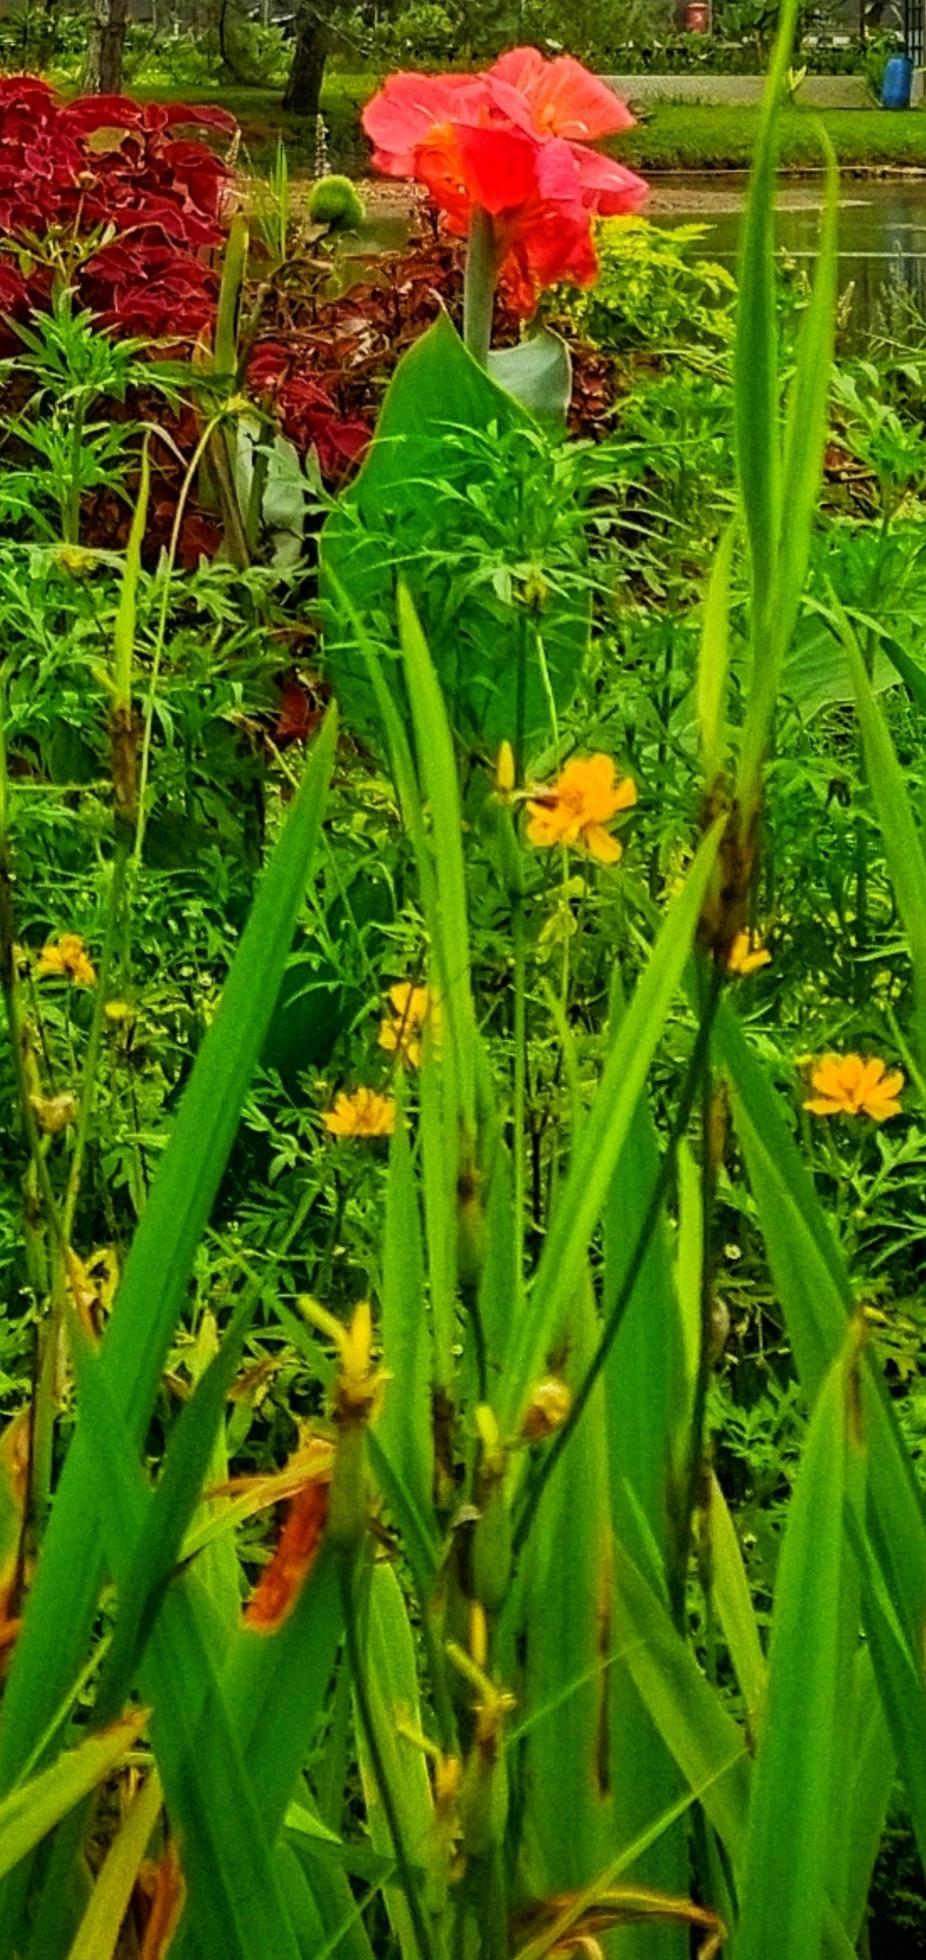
[{"x": 882, "y": 229}]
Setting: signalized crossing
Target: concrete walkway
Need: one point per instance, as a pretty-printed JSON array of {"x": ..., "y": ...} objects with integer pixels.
[{"x": 740, "y": 91}]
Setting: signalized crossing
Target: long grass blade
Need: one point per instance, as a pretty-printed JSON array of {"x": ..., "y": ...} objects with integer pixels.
[
  {"x": 35, "y": 1807},
  {"x": 606, "y": 1128},
  {"x": 787, "y": 1872}
]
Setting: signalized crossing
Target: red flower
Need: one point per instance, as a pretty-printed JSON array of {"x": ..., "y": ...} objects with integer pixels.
[
  {"x": 562, "y": 98},
  {"x": 507, "y": 143}
]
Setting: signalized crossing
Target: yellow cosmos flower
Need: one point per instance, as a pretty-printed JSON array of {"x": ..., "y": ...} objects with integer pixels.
[
  {"x": 855, "y": 1085},
  {"x": 68, "y": 958},
  {"x": 412, "y": 1009},
  {"x": 363, "y": 1113},
  {"x": 746, "y": 956},
  {"x": 577, "y": 807}
]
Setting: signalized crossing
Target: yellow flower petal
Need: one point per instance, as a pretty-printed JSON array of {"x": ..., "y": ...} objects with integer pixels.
[
  {"x": 601, "y": 845},
  {"x": 364, "y": 1113}
]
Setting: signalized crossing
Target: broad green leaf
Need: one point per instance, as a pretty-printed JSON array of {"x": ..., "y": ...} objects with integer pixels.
[
  {"x": 275, "y": 1685},
  {"x": 779, "y": 492},
  {"x": 538, "y": 373},
  {"x": 150, "y": 1560},
  {"x": 35, "y": 1807},
  {"x": 874, "y": 1763},
  {"x": 814, "y": 675},
  {"x": 437, "y": 774},
  {"x": 758, "y": 442},
  {"x": 583, "y": 1195},
  {"x": 383, "y": 526},
  {"x": 807, "y": 415},
  {"x": 786, "y": 1872},
  {"x": 218, "y": 1570}
]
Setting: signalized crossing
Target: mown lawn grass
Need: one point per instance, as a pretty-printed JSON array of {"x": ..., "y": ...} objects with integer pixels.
[
  {"x": 678, "y": 136},
  {"x": 673, "y": 136}
]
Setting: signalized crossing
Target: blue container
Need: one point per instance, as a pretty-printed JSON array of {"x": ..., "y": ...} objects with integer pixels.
[{"x": 898, "y": 82}]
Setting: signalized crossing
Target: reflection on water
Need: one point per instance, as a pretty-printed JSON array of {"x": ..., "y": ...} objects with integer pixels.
[{"x": 882, "y": 233}]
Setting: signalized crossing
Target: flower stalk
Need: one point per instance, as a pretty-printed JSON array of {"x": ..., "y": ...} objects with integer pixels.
[{"x": 479, "y": 286}]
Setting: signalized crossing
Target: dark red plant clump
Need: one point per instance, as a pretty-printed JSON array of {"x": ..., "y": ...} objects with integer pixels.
[
  {"x": 126, "y": 174},
  {"x": 280, "y": 376},
  {"x": 346, "y": 349}
]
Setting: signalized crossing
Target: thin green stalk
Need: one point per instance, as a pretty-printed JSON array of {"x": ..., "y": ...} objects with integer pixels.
[
  {"x": 687, "y": 1099},
  {"x": 406, "y": 1875},
  {"x": 695, "y": 1470},
  {"x": 519, "y": 1115},
  {"x": 70, "y": 511},
  {"x": 479, "y": 287}
]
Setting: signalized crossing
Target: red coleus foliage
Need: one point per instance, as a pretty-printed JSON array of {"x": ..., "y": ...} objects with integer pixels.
[
  {"x": 281, "y": 376},
  {"x": 123, "y": 173},
  {"x": 511, "y": 143}
]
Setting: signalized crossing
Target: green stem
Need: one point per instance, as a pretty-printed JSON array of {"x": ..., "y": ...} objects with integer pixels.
[
  {"x": 520, "y": 1072},
  {"x": 70, "y": 514},
  {"x": 479, "y": 287},
  {"x": 691, "y": 1493}
]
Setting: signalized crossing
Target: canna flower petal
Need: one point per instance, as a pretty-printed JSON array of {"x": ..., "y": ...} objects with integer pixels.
[
  {"x": 563, "y": 99},
  {"x": 511, "y": 143},
  {"x": 607, "y": 187}
]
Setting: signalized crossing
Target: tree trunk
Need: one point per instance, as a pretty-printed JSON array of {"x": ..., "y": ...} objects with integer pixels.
[
  {"x": 105, "y": 48},
  {"x": 304, "y": 87}
]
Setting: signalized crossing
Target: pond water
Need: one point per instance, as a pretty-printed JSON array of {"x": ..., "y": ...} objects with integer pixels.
[{"x": 882, "y": 230}]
